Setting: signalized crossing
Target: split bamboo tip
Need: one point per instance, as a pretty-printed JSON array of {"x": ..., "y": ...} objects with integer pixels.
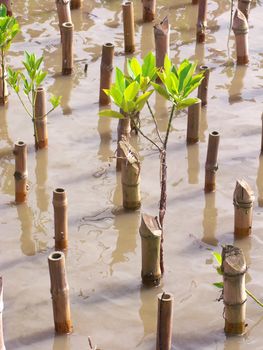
[
  {"x": 165, "y": 321},
  {"x": 20, "y": 175},
  {"x": 240, "y": 25},
  {"x": 60, "y": 204}
]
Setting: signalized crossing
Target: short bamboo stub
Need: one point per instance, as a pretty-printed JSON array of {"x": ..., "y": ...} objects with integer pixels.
[
  {"x": 63, "y": 10},
  {"x": 67, "y": 48},
  {"x": 162, "y": 41},
  {"x": 193, "y": 120},
  {"x": 106, "y": 69},
  {"x": 41, "y": 137},
  {"x": 164, "y": 321},
  {"x": 20, "y": 175},
  {"x": 211, "y": 165},
  {"x": 60, "y": 204},
  {"x": 128, "y": 26},
  {"x": 203, "y": 87},
  {"x": 201, "y": 21},
  {"x": 240, "y": 29}
]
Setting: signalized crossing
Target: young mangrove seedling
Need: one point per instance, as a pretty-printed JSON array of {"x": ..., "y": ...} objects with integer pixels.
[{"x": 29, "y": 83}]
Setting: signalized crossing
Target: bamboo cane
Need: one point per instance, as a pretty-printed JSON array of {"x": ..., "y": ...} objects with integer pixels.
[
  {"x": 150, "y": 232},
  {"x": 106, "y": 69},
  {"x": 201, "y": 21},
  {"x": 149, "y": 9},
  {"x": 234, "y": 270},
  {"x": 128, "y": 26},
  {"x": 67, "y": 48},
  {"x": 20, "y": 152},
  {"x": 211, "y": 165},
  {"x": 60, "y": 293},
  {"x": 240, "y": 29},
  {"x": 75, "y": 4},
  {"x": 64, "y": 14},
  {"x": 60, "y": 204},
  {"x": 194, "y": 112},
  {"x": 244, "y": 7},
  {"x": 162, "y": 41},
  {"x": 41, "y": 137},
  {"x": 243, "y": 202},
  {"x": 130, "y": 176},
  {"x": 203, "y": 87},
  {"x": 165, "y": 321},
  {"x": 124, "y": 129},
  {"x": 2, "y": 342},
  {"x": 8, "y": 6},
  {"x": 3, "y": 90}
]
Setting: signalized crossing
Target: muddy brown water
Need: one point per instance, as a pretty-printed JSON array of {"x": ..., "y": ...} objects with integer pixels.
[{"x": 103, "y": 262}]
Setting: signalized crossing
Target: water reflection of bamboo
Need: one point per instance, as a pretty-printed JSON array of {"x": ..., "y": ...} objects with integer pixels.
[
  {"x": 104, "y": 131},
  {"x": 203, "y": 124},
  {"x": 245, "y": 244},
  {"x": 61, "y": 342},
  {"x": 41, "y": 178},
  {"x": 147, "y": 39},
  {"x": 193, "y": 163},
  {"x": 210, "y": 219},
  {"x": 260, "y": 181},
  {"x": 200, "y": 54},
  {"x": 25, "y": 216},
  {"x": 237, "y": 84},
  {"x": 234, "y": 343}
]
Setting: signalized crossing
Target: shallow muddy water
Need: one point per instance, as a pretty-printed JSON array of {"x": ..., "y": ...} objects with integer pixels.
[{"x": 108, "y": 302}]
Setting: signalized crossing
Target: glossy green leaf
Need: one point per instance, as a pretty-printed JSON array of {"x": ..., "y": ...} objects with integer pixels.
[
  {"x": 131, "y": 91},
  {"x": 141, "y": 100},
  {"x": 136, "y": 67},
  {"x": 110, "y": 113},
  {"x": 149, "y": 65},
  {"x": 219, "y": 285},
  {"x": 119, "y": 80},
  {"x": 218, "y": 257},
  {"x": 187, "y": 102},
  {"x": 3, "y": 10}
]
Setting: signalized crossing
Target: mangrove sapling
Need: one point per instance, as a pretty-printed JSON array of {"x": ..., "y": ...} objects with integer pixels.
[
  {"x": 130, "y": 95},
  {"x": 8, "y": 30},
  {"x": 29, "y": 84}
]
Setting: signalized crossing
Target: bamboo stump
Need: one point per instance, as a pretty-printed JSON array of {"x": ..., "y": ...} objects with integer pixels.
[
  {"x": 234, "y": 293},
  {"x": 240, "y": 29},
  {"x": 20, "y": 152},
  {"x": 165, "y": 321},
  {"x": 8, "y": 6},
  {"x": 64, "y": 14},
  {"x": 60, "y": 204},
  {"x": 211, "y": 165},
  {"x": 203, "y": 87},
  {"x": 75, "y": 4},
  {"x": 106, "y": 69},
  {"x": 201, "y": 21},
  {"x": 149, "y": 9},
  {"x": 41, "y": 137},
  {"x": 150, "y": 232},
  {"x": 162, "y": 41},
  {"x": 67, "y": 48},
  {"x": 2, "y": 342},
  {"x": 130, "y": 176},
  {"x": 60, "y": 293},
  {"x": 243, "y": 202},
  {"x": 128, "y": 27},
  {"x": 244, "y": 7},
  {"x": 3, "y": 90},
  {"x": 124, "y": 130},
  {"x": 193, "y": 120}
]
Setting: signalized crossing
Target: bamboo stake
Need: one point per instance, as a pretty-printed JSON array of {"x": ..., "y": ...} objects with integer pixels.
[
  {"x": 128, "y": 26},
  {"x": 60, "y": 293},
  {"x": 201, "y": 21},
  {"x": 194, "y": 2},
  {"x": 3, "y": 90},
  {"x": 20, "y": 152},
  {"x": 244, "y": 7},
  {"x": 203, "y": 87},
  {"x": 60, "y": 204},
  {"x": 41, "y": 138},
  {"x": 64, "y": 14},
  {"x": 211, "y": 165},
  {"x": 2, "y": 342},
  {"x": 240, "y": 29},
  {"x": 124, "y": 129},
  {"x": 8, "y": 6},
  {"x": 106, "y": 69},
  {"x": 165, "y": 321},
  {"x": 67, "y": 48},
  {"x": 243, "y": 202},
  {"x": 75, "y": 4},
  {"x": 194, "y": 112},
  {"x": 162, "y": 41},
  {"x": 234, "y": 294},
  {"x": 149, "y": 9},
  {"x": 150, "y": 232},
  {"x": 130, "y": 176}
]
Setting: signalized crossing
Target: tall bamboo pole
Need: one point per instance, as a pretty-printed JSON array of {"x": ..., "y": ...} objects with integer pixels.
[
  {"x": 8, "y": 6},
  {"x": 162, "y": 41},
  {"x": 2, "y": 342},
  {"x": 106, "y": 69},
  {"x": 149, "y": 9},
  {"x": 63, "y": 10},
  {"x": 243, "y": 202},
  {"x": 60, "y": 204},
  {"x": 67, "y": 48},
  {"x": 240, "y": 29},
  {"x": 41, "y": 137},
  {"x": 211, "y": 165},
  {"x": 20, "y": 152},
  {"x": 234, "y": 270},
  {"x": 60, "y": 293},
  {"x": 75, "y": 4},
  {"x": 244, "y": 7},
  {"x": 128, "y": 26},
  {"x": 203, "y": 87},
  {"x": 193, "y": 121},
  {"x": 201, "y": 21},
  {"x": 165, "y": 321}
]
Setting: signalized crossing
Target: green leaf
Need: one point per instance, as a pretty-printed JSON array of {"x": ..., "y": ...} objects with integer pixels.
[
  {"x": 119, "y": 80},
  {"x": 187, "y": 102},
  {"x": 110, "y": 113},
  {"x": 218, "y": 257},
  {"x": 3, "y": 10},
  {"x": 141, "y": 100},
  {"x": 219, "y": 285},
  {"x": 161, "y": 91},
  {"x": 136, "y": 67},
  {"x": 40, "y": 77},
  {"x": 116, "y": 95},
  {"x": 131, "y": 91},
  {"x": 167, "y": 64},
  {"x": 55, "y": 101},
  {"x": 130, "y": 71},
  {"x": 149, "y": 65}
]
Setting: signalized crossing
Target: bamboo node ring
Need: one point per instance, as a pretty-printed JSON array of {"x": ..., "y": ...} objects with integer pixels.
[{"x": 236, "y": 304}]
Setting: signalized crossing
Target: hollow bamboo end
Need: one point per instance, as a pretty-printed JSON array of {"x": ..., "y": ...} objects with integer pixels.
[
  {"x": 233, "y": 261},
  {"x": 165, "y": 297},
  {"x": 20, "y": 144},
  {"x": 150, "y": 227},
  {"x": 126, "y": 4},
  {"x": 240, "y": 24},
  {"x": 56, "y": 256}
]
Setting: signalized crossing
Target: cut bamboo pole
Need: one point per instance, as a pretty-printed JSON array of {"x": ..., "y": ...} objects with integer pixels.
[
  {"x": 203, "y": 87},
  {"x": 211, "y": 165},
  {"x": 3, "y": 90},
  {"x": 124, "y": 129},
  {"x": 130, "y": 176},
  {"x": 67, "y": 48},
  {"x": 64, "y": 14},
  {"x": 2, "y": 342},
  {"x": 244, "y": 7},
  {"x": 60, "y": 293},
  {"x": 165, "y": 321},
  {"x": 8, "y": 6},
  {"x": 162, "y": 41},
  {"x": 128, "y": 27},
  {"x": 106, "y": 72},
  {"x": 234, "y": 270},
  {"x": 60, "y": 204},
  {"x": 240, "y": 29},
  {"x": 149, "y": 9},
  {"x": 201, "y": 21},
  {"x": 20, "y": 152},
  {"x": 150, "y": 232},
  {"x": 243, "y": 202},
  {"x": 41, "y": 137},
  {"x": 75, "y": 4},
  {"x": 193, "y": 120}
]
